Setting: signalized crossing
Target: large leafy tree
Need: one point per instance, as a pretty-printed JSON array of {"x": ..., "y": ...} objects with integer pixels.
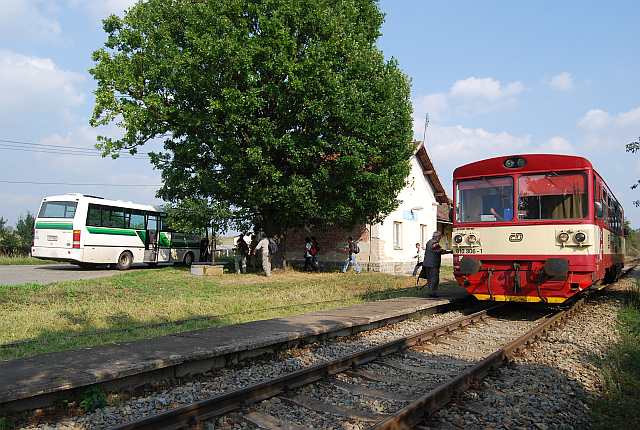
[{"x": 284, "y": 108}]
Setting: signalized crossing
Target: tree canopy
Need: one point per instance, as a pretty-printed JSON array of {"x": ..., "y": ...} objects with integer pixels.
[{"x": 284, "y": 108}]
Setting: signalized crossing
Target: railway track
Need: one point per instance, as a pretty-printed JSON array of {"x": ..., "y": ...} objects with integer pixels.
[{"x": 391, "y": 386}]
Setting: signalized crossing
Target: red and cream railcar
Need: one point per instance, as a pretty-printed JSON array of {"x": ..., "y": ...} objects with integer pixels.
[{"x": 534, "y": 228}]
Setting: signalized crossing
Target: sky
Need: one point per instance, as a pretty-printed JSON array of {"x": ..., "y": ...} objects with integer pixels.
[{"x": 495, "y": 78}]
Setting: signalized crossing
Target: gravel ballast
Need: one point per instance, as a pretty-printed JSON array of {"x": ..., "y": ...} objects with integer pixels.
[
  {"x": 549, "y": 385},
  {"x": 247, "y": 373}
]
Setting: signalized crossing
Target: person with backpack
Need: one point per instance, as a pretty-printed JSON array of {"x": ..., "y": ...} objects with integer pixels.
[
  {"x": 265, "y": 246},
  {"x": 315, "y": 250},
  {"x": 242, "y": 251},
  {"x": 308, "y": 257},
  {"x": 352, "y": 250}
]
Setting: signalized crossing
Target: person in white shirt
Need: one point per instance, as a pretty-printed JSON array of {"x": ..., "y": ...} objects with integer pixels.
[{"x": 263, "y": 247}]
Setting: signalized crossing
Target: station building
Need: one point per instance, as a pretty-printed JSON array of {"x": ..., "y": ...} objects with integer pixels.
[{"x": 390, "y": 245}]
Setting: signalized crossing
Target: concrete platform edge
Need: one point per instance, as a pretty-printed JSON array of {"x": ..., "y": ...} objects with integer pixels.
[{"x": 196, "y": 363}]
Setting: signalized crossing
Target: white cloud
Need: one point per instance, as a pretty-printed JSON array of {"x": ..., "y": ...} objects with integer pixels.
[
  {"x": 68, "y": 168},
  {"x": 103, "y": 8},
  {"x": 562, "y": 82},
  {"x": 453, "y": 146},
  {"x": 605, "y": 131},
  {"x": 556, "y": 145},
  {"x": 28, "y": 19},
  {"x": 630, "y": 118},
  {"x": 485, "y": 88},
  {"x": 36, "y": 86},
  {"x": 594, "y": 119},
  {"x": 467, "y": 97}
]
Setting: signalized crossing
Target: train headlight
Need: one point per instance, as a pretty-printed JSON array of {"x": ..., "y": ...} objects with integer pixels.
[
  {"x": 457, "y": 238},
  {"x": 580, "y": 237},
  {"x": 472, "y": 239},
  {"x": 563, "y": 237}
]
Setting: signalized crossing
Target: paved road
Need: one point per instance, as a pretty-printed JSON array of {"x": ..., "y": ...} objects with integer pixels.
[{"x": 46, "y": 274}]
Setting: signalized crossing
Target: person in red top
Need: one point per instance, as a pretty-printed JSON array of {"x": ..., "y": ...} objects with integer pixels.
[
  {"x": 315, "y": 250},
  {"x": 308, "y": 256}
]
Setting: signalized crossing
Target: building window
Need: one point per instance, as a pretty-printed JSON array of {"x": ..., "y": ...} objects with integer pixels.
[
  {"x": 424, "y": 234},
  {"x": 397, "y": 235}
]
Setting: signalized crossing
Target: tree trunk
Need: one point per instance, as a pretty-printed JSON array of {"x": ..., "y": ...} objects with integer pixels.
[{"x": 214, "y": 237}]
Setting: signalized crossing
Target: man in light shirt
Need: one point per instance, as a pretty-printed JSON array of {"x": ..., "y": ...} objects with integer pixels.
[{"x": 263, "y": 248}]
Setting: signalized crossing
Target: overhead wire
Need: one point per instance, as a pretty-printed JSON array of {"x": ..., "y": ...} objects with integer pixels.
[
  {"x": 16, "y": 145},
  {"x": 77, "y": 184}
]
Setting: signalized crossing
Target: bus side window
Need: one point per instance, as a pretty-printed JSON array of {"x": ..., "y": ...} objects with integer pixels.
[
  {"x": 136, "y": 220},
  {"x": 94, "y": 216}
]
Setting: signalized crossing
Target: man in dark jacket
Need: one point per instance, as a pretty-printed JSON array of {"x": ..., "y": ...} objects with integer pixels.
[{"x": 432, "y": 258}]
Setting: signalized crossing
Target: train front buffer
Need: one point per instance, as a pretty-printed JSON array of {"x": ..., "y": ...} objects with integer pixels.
[{"x": 517, "y": 268}]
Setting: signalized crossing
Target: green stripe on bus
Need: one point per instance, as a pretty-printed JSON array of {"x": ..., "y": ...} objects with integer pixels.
[
  {"x": 55, "y": 225},
  {"x": 164, "y": 240},
  {"x": 109, "y": 230},
  {"x": 142, "y": 234}
]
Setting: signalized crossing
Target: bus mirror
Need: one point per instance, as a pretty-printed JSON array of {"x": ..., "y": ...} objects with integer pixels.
[{"x": 599, "y": 211}]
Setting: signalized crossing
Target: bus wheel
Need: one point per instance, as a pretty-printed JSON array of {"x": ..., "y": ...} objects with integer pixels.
[
  {"x": 188, "y": 259},
  {"x": 124, "y": 261}
]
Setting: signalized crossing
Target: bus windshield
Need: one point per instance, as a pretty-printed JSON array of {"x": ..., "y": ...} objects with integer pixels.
[
  {"x": 58, "y": 210},
  {"x": 485, "y": 200},
  {"x": 552, "y": 196}
]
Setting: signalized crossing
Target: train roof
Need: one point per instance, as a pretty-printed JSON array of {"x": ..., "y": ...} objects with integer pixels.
[{"x": 534, "y": 162}]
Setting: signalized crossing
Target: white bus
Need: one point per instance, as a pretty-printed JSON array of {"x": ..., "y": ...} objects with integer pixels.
[{"x": 87, "y": 231}]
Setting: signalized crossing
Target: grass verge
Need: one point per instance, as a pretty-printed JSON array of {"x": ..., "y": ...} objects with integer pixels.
[
  {"x": 6, "y": 260},
  {"x": 148, "y": 303},
  {"x": 620, "y": 405}
]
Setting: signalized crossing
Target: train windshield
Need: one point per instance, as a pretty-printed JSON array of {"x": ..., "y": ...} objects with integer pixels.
[
  {"x": 553, "y": 196},
  {"x": 485, "y": 200}
]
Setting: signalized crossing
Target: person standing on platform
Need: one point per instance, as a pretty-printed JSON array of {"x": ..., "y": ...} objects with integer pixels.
[
  {"x": 432, "y": 258},
  {"x": 263, "y": 248},
  {"x": 352, "y": 250}
]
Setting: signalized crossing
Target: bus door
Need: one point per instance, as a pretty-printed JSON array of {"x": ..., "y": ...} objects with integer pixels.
[
  {"x": 151, "y": 242},
  {"x": 164, "y": 241}
]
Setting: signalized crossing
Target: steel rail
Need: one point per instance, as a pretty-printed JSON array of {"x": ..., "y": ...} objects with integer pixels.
[
  {"x": 412, "y": 414},
  {"x": 193, "y": 415}
]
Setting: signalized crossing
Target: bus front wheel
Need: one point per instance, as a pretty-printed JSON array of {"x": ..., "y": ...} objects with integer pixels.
[{"x": 125, "y": 261}]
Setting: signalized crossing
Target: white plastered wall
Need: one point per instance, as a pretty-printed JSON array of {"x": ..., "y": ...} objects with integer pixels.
[{"x": 417, "y": 207}]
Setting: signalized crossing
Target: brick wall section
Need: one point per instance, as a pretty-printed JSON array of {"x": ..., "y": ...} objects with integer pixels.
[{"x": 332, "y": 243}]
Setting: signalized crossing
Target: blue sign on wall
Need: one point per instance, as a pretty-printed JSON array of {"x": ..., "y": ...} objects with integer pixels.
[{"x": 409, "y": 216}]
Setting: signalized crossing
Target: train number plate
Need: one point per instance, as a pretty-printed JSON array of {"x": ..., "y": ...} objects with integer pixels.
[{"x": 468, "y": 251}]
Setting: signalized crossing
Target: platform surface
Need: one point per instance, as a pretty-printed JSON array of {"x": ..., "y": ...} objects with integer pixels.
[{"x": 53, "y": 372}]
